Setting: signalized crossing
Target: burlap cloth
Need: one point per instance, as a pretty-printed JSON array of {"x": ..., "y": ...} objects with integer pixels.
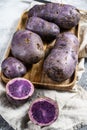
[{"x": 72, "y": 104}]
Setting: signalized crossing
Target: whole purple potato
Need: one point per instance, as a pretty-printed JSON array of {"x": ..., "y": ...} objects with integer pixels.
[
  {"x": 12, "y": 67},
  {"x": 60, "y": 64},
  {"x": 47, "y": 30},
  {"x": 27, "y": 46},
  {"x": 71, "y": 40},
  {"x": 65, "y": 16}
]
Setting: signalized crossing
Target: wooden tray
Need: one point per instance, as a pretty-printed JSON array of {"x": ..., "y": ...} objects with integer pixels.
[{"x": 35, "y": 72}]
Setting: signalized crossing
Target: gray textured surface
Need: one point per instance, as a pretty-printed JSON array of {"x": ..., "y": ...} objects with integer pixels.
[
  {"x": 4, "y": 125},
  {"x": 83, "y": 81},
  {"x": 85, "y": 128}
]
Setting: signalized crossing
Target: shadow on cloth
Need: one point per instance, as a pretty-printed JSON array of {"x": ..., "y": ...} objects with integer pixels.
[{"x": 5, "y": 102}]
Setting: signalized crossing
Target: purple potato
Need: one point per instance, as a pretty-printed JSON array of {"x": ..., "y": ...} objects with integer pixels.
[
  {"x": 61, "y": 63},
  {"x": 65, "y": 16},
  {"x": 43, "y": 111},
  {"x": 27, "y": 47},
  {"x": 72, "y": 43},
  {"x": 12, "y": 67},
  {"x": 47, "y": 30},
  {"x": 70, "y": 38},
  {"x": 19, "y": 90}
]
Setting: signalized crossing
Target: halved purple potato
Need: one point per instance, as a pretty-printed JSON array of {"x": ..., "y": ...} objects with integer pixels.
[
  {"x": 27, "y": 46},
  {"x": 12, "y": 67},
  {"x": 18, "y": 90},
  {"x": 43, "y": 111}
]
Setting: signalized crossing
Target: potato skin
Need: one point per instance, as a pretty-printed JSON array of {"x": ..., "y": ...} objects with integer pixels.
[
  {"x": 60, "y": 64},
  {"x": 27, "y": 46},
  {"x": 65, "y": 16},
  {"x": 47, "y": 30},
  {"x": 68, "y": 41},
  {"x": 12, "y": 67}
]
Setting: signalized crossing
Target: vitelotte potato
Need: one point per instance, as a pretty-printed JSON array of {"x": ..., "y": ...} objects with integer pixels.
[
  {"x": 27, "y": 46},
  {"x": 67, "y": 40},
  {"x": 60, "y": 64},
  {"x": 47, "y": 30},
  {"x": 12, "y": 67},
  {"x": 65, "y": 16}
]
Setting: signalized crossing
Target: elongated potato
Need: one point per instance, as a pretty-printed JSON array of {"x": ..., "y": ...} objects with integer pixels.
[
  {"x": 60, "y": 64},
  {"x": 65, "y": 16},
  {"x": 47, "y": 30}
]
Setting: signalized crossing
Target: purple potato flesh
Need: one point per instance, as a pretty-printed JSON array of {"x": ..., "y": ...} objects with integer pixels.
[
  {"x": 27, "y": 46},
  {"x": 12, "y": 67},
  {"x": 65, "y": 16},
  {"x": 41, "y": 115},
  {"x": 61, "y": 63},
  {"x": 18, "y": 90},
  {"x": 43, "y": 111},
  {"x": 47, "y": 30}
]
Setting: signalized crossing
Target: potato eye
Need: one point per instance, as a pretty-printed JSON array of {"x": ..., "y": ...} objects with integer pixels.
[{"x": 27, "y": 40}]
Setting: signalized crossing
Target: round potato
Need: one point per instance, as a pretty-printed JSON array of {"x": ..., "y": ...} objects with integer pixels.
[
  {"x": 12, "y": 67},
  {"x": 27, "y": 46}
]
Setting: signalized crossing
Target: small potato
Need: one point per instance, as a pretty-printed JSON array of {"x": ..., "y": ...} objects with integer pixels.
[
  {"x": 65, "y": 16},
  {"x": 60, "y": 64},
  {"x": 27, "y": 46},
  {"x": 12, "y": 67},
  {"x": 47, "y": 30}
]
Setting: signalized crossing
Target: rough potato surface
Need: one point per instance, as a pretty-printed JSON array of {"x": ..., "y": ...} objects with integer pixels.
[
  {"x": 27, "y": 46},
  {"x": 12, "y": 67},
  {"x": 65, "y": 16},
  {"x": 47, "y": 30},
  {"x": 60, "y": 64}
]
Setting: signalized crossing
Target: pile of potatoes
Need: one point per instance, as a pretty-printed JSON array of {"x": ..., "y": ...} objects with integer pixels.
[{"x": 45, "y": 23}]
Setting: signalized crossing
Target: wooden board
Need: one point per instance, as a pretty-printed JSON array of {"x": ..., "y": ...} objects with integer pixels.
[{"x": 36, "y": 73}]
